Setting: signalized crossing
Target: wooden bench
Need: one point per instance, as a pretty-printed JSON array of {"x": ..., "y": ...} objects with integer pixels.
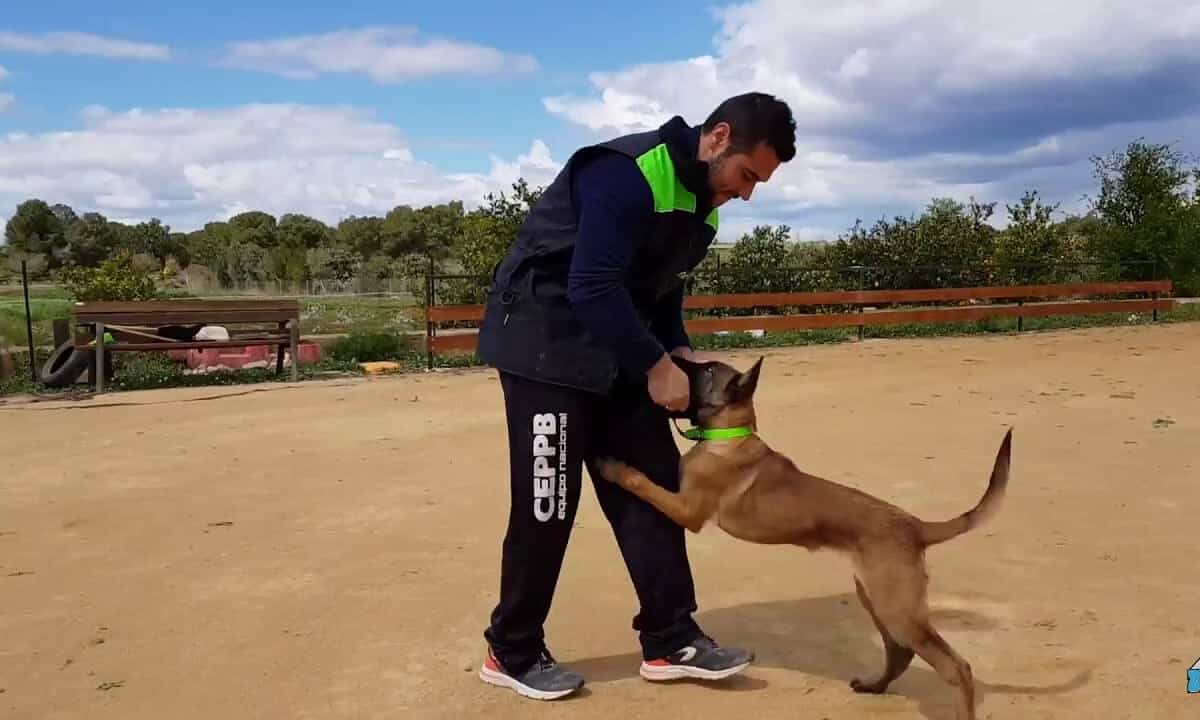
[
  {"x": 138, "y": 326},
  {"x": 1049, "y": 300}
]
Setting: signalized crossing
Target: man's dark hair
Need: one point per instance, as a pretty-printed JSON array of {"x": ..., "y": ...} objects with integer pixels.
[{"x": 754, "y": 118}]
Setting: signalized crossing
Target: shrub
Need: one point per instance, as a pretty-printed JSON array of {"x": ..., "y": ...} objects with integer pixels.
[
  {"x": 369, "y": 347},
  {"x": 118, "y": 278}
]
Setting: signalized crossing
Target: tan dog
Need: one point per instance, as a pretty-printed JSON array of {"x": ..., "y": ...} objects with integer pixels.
[{"x": 760, "y": 496}]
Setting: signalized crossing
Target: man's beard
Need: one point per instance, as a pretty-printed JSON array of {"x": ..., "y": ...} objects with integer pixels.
[{"x": 714, "y": 166}]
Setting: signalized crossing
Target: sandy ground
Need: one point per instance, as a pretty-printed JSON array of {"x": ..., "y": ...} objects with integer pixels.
[{"x": 331, "y": 550}]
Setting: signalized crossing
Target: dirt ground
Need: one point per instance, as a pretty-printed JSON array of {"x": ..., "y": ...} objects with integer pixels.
[{"x": 331, "y": 550}]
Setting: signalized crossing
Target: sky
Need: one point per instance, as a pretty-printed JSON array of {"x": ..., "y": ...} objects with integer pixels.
[{"x": 195, "y": 112}]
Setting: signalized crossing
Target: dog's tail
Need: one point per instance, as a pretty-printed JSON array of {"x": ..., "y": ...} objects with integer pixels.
[{"x": 933, "y": 533}]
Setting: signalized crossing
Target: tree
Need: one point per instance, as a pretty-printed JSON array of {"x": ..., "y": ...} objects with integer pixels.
[
  {"x": 759, "y": 262},
  {"x": 288, "y": 264},
  {"x": 150, "y": 238},
  {"x": 91, "y": 240},
  {"x": 1031, "y": 244},
  {"x": 301, "y": 231},
  {"x": 491, "y": 229},
  {"x": 35, "y": 229},
  {"x": 950, "y": 244},
  {"x": 364, "y": 235},
  {"x": 255, "y": 226},
  {"x": 335, "y": 263},
  {"x": 428, "y": 231},
  {"x": 1151, "y": 218},
  {"x": 486, "y": 234}
]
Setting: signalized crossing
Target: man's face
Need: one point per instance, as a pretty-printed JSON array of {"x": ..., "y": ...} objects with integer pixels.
[{"x": 732, "y": 174}]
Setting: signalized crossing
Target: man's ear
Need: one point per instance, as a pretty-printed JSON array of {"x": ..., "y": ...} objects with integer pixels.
[{"x": 747, "y": 382}]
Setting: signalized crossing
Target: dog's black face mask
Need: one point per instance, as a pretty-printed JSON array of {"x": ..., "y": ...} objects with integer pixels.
[{"x": 712, "y": 386}]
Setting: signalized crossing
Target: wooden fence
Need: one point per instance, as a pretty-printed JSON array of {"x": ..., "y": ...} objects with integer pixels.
[{"x": 861, "y": 308}]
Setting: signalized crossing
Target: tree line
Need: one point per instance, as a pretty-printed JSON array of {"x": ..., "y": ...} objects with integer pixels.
[{"x": 1143, "y": 222}]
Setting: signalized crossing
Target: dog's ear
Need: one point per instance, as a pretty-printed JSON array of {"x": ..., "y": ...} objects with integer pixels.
[
  {"x": 684, "y": 364},
  {"x": 743, "y": 388}
]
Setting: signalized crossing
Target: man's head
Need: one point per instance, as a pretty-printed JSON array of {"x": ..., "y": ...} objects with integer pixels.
[
  {"x": 720, "y": 395},
  {"x": 744, "y": 140}
]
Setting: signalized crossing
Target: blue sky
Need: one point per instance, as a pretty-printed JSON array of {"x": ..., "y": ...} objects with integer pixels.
[
  {"x": 499, "y": 113},
  {"x": 198, "y": 111}
]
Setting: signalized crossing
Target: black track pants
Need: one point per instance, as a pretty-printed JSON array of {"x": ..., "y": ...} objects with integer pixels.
[{"x": 552, "y": 432}]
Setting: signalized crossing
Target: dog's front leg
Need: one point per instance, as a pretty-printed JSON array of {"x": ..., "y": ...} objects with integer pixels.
[{"x": 688, "y": 510}]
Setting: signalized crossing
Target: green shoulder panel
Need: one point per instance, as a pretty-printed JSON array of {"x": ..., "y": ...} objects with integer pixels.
[{"x": 669, "y": 193}]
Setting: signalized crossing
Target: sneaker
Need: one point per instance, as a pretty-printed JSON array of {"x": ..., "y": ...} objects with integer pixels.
[
  {"x": 702, "y": 659},
  {"x": 544, "y": 680}
]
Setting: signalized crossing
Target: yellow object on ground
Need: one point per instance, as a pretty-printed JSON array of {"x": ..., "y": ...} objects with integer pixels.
[{"x": 380, "y": 367}]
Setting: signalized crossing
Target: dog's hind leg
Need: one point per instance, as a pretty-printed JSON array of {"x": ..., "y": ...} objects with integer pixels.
[
  {"x": 934, "y": 650},
  {"x": 898, "y": 656},
  {"x": 895, "y": 586}
]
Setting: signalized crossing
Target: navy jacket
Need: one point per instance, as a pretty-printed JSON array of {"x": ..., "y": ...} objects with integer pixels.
[{"x": 592, "y": 289}]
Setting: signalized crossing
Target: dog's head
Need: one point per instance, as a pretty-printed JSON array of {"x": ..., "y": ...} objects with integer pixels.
[{"x": 720, "y": 394}]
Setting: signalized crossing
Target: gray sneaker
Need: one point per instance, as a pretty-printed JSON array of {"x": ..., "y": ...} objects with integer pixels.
[
  {"x": 544, "y": 680},
  {"x": 702, "y": 659}
]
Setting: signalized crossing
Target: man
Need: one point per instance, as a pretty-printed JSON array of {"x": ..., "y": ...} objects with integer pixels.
[{"x": 584, "y": 312}]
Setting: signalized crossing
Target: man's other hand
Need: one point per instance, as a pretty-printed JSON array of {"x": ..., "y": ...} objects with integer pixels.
[
  {"x": 687, "y": 353},
  {"x": 668, "y": 385}
]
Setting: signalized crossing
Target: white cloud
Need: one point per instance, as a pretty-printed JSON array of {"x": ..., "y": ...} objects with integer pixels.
[
  {"x": 77, "y": 43},
  {"x": 385, "y": 54},
  {"x": 189, "y": 167},
  {"x": 6, "y": 99},
  {"x": 897, "y": 101}
]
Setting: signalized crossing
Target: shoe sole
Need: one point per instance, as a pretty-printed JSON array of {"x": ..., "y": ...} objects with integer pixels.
[
  {"x": 658, "y": 673},
  {"x": 501, "y": 680}
]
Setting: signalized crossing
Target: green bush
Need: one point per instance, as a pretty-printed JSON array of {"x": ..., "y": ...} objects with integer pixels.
[
  {"x": 118, "y": 278},
  {"x": 145, "y": 370},
  {"x": 369, "y": 347}
]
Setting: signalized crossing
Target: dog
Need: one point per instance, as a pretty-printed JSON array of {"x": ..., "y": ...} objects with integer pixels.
[{"x": 758, "y": 495}]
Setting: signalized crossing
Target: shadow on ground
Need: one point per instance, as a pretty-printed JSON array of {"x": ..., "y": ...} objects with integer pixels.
[{"x": 831, "y": 637}]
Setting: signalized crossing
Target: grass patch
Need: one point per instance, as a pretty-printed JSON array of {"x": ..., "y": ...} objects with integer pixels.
[
  {"x": 43, "y": 310},
  {"x": 340, "y": 315},
  {"x": 153, "y": 370}
]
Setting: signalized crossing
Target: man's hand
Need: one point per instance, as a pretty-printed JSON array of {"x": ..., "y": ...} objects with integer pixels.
[
  {"x": 668, "y": 385},
  {"x": 687, "y": 353}
]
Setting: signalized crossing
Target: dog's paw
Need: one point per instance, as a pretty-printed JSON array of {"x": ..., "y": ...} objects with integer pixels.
[
  {"x": 862, "y": 686},
  {"x": 615, "y": 471},
  {"x": 610, "y": 469}
]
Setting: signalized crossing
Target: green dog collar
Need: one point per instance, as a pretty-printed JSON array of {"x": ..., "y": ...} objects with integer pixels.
[{"x": 728, "y": 433}]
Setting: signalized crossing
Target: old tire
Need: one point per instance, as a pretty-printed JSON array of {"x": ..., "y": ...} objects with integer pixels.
[
  {"x": 63, "y": 367},
  {"x": 66, "y": 365}
]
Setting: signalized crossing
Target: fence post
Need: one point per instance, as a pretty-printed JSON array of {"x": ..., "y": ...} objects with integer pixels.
[
  {"x": 861, "y": 285},
  {"x": 428, "y": 319},
  {"x": 1154, "y": 295},
  {"x": 29, "y": 323}
]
